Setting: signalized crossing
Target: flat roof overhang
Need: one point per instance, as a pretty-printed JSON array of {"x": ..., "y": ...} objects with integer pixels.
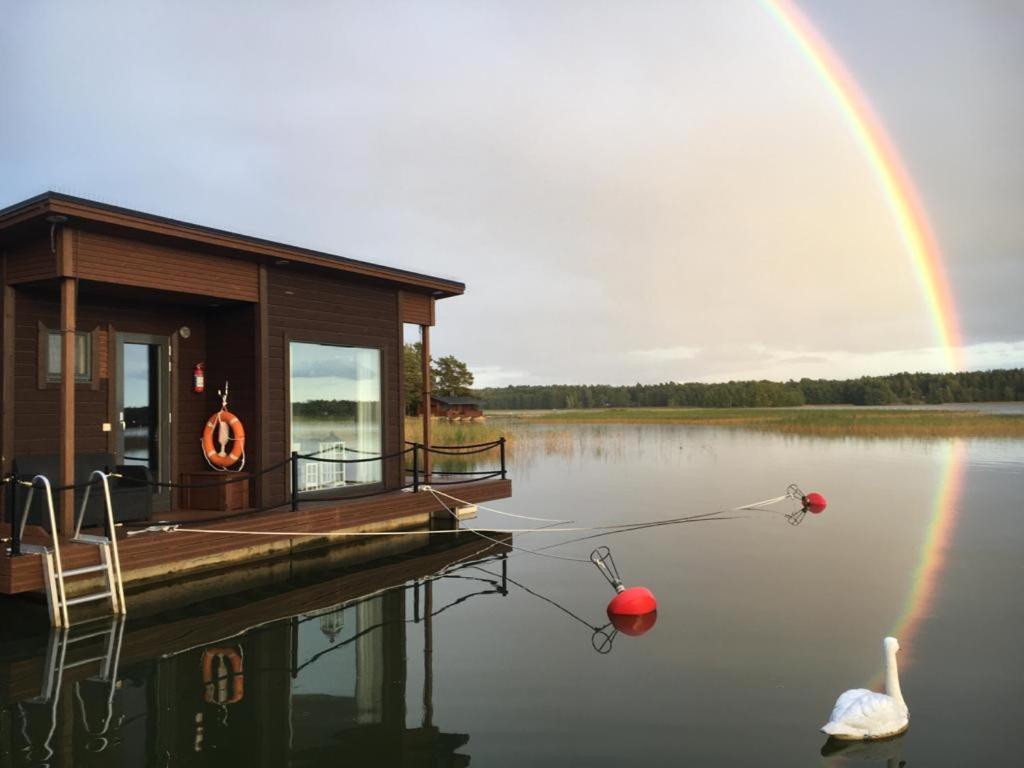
[{"x": 79, "y": 209}]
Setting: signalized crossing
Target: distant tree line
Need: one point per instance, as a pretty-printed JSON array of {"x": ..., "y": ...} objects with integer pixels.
[
  {"x": 904, "y": 388},
  {"x": 341, "y": 410}
]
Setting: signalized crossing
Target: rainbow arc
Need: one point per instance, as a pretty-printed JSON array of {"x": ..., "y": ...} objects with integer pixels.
[
  {"x": 923, "y": 250},
  {"x": 897, "y": 187}
]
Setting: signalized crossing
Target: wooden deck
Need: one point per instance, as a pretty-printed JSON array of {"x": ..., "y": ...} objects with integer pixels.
[{"x": 152, "y": 557}]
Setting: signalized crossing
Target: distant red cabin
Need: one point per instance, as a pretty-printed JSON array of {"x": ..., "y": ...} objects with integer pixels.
[{"x": 455, "y": 408}]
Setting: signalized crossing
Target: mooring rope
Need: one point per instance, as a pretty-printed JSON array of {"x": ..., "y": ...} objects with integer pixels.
[
  {"x": 478, "y": 532},
  {"x": 297, "y": 534},
  {"x": 608, "y": 529},
  {"x": 593, "y": 531},
  {"x": 753, "y": 506},
  {"x": 495, "y": 511}
]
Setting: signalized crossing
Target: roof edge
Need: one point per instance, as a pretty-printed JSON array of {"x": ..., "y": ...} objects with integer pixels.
[{"x": 91, "y": 210}]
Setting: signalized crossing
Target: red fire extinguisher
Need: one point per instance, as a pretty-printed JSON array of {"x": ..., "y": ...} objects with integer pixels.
[{"x": 198, "y": 379}]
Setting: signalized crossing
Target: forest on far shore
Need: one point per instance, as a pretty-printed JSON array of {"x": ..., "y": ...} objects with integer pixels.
[{"x": 897, "y": 388}]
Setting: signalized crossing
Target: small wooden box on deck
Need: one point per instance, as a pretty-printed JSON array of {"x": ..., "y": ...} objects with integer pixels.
[{"x": 219, "y": 494}]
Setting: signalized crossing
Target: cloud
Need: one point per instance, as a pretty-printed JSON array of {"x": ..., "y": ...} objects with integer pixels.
[
  {"x": 630, "y": 193},
  {"x": 326, "y": 362},
  {"x": 496, "y": 376},
  {"x": 662, "y": 354},
  {"x": 780, "y": 363}
]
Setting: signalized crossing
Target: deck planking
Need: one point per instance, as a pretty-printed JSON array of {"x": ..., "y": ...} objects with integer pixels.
[{"x": 149, "y": 557}]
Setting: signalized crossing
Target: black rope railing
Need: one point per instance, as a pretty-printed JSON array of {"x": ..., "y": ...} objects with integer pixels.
[{"x": 14, "y": 480}]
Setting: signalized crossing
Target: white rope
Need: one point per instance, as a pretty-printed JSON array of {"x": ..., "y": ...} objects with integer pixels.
[
  {"x": 753, "y": 505},
  {"x": 296, "y": 534},
  {"x": 765, "y": 503},
  {"x": 492, "y": 509},
  {"x": 479, "y": 533}
]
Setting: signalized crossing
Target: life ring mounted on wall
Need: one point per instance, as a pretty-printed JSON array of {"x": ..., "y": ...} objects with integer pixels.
[{"x": 229, "y": 432}]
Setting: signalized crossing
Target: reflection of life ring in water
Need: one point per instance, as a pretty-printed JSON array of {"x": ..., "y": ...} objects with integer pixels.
[
  {"x": 220, "y": 667},
  {"x": 224, "y": 422}
]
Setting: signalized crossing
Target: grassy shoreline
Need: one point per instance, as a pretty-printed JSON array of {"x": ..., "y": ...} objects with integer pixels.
[
  {"x": 838, "y": 422},
  {"x": 857, "y": 421}
]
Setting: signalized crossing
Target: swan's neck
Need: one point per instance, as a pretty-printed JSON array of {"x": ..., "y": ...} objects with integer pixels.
[{"x": 892, "y": 678}]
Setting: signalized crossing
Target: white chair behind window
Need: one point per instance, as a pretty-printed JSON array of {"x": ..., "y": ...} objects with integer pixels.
[
  {"x": 332, "y": 475},
  {"x": 311, "y": 477}
]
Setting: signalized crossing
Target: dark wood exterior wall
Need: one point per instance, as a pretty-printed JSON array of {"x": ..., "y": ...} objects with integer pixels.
[
  {"x": 30, "y": 260},
  {"x": 230, "y": 356},
  {"x": 226, "y": 348},
  {"x": 304, "y": 306},
  {"x": 82, "y": 213},
  {"x": 109, "y": 259},
  {"x": 416, "y": 308},
  {"x": 136, "y": 284}
]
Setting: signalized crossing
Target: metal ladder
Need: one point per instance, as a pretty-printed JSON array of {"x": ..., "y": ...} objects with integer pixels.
[
  {"x": 53, "y": 674},
  {"x": 54, "y": 573}
]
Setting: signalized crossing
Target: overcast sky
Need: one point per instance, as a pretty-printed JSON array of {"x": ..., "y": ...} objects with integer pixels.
[{"x": 632, "y": 191}]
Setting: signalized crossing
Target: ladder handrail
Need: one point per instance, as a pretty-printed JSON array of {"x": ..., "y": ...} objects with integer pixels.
[
  {"x": 119, "y": 604},
  {"x": 62, "y": 597},
  {"x": 108, "y": 675},
  {"x": 54, "y": 563},
  {"x": 56, "y": 650}
]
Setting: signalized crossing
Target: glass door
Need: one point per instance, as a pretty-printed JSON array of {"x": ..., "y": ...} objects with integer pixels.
[{"x": 143, "y": 383}]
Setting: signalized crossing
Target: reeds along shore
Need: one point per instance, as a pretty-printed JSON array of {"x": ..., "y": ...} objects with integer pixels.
[{"x": 838, "y": 422}]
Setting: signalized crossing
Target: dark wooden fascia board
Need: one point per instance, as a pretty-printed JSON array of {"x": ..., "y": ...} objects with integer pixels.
[{"x": 55, "y": 203}]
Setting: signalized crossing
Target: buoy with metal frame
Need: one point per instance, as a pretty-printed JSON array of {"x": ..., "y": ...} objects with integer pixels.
[{"x": 628, "y": 603}]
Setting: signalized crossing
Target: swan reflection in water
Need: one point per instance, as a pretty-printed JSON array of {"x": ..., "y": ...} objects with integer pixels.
[{"x": 888, "y": 750}]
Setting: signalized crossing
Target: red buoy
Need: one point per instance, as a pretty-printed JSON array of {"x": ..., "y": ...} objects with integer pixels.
[
  {"x": 635, "y": 601},
  {"x": 633, "y": 625},
  {"x": 815, "y": 503}
]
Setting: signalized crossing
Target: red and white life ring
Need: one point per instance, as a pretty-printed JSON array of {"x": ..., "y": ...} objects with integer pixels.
[
  {"x": 221, "y": 666},
  {"x": 224, "y": 422}
]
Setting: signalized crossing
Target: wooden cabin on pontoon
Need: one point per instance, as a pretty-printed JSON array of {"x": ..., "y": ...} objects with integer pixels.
[{"x": 120, "y": 328}]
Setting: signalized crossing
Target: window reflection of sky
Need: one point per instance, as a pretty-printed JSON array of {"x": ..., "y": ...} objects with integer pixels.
[
  {"x": 322, "y": 372},
  {"x": 136, "y": 375}
]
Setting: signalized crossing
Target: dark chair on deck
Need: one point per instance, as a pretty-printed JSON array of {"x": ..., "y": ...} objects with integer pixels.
[{"x": 130, "y": 496}]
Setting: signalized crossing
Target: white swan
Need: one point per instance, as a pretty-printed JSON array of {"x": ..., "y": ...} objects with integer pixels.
[{"x": 863, "y": 714}]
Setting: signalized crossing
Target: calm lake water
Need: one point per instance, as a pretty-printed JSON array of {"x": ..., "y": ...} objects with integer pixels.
[{"x": 761, "y": 624}]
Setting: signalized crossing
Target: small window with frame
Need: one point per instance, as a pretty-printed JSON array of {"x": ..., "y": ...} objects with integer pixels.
[{"x": 53, "y": 362}]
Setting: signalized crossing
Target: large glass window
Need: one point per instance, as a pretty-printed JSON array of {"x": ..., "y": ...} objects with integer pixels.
[{"x": 336, "y": 413}]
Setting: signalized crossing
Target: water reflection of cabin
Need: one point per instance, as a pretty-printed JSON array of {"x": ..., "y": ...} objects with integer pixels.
[
  {"x": 129, "y": 303},
  {"x": 455, "y": 407},
  {"x": 304, "y": 673}
]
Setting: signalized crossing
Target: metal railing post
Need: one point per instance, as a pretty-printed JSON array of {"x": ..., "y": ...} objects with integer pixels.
[
  {"x": 501, "y": 444},
  {"x": 15, "y": 516},
  {"x": 415, "y": 468},
  {"x": 295, "y": 481}
]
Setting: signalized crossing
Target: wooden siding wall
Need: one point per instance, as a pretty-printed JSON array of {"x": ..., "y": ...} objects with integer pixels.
[
  {"x": 231, "y": 357},
  {"x": 226, "y": 347},
  {"x": 306, "y": 306},
  {"x": 417, "y": 308},
  {"x": 122, "y": 261},
  {"x": 30, "y": 260}
]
